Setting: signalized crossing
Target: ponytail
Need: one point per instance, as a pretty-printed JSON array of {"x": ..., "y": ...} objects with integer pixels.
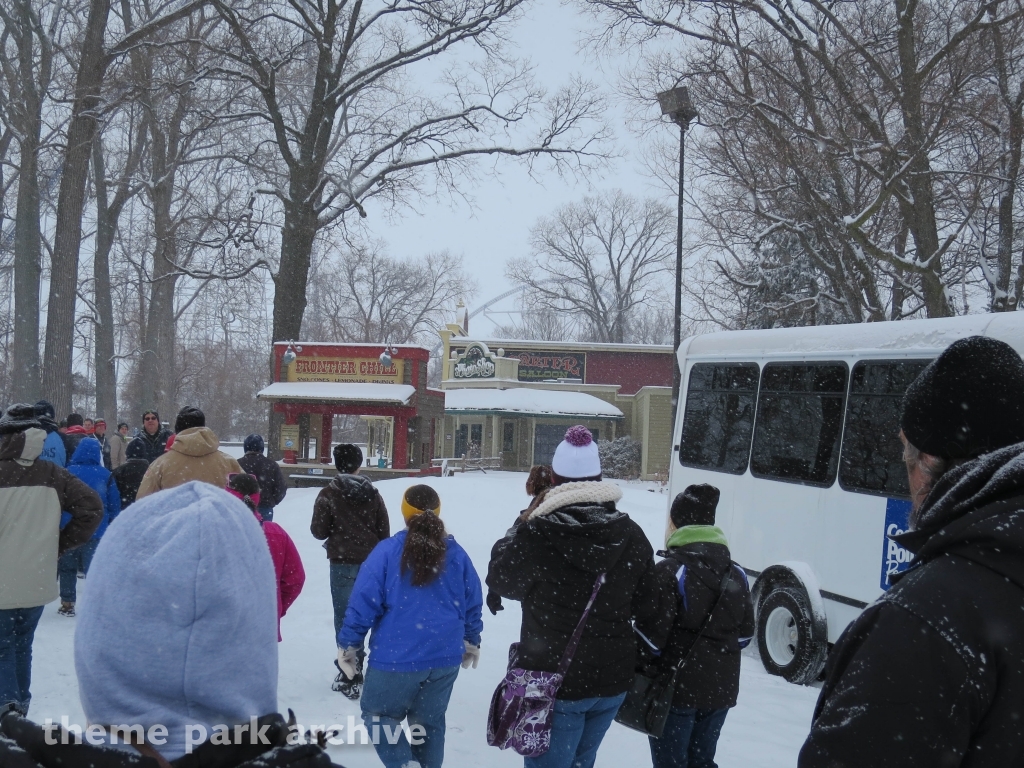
[{"x": 425, "y": 548}]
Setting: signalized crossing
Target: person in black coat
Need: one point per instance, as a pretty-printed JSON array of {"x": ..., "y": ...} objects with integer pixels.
[
  {"x": 273, "y": 486},
  {"x": 696, "y": 561},
  {"x": 129, "y": 475},
  {"x": 549, "y": 562},
  {"x": 932, "y": 673},
  {"x": 152, "y": 437}
]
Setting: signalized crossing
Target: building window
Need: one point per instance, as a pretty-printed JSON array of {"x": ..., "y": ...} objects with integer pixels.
[
  {"x": 872, "y": 458},
  {"x": 508, "y": 436},
  {"x": 719, "y": 417},
  {"x": 799, "y": 422},
  {"x": 546, "y": 438}
]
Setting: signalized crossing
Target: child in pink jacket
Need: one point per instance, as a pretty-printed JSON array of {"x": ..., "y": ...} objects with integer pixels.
[{"x": 287, "y": 563}]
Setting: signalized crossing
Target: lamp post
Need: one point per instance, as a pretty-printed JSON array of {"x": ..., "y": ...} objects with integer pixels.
[{"x": 676, "y": 104}]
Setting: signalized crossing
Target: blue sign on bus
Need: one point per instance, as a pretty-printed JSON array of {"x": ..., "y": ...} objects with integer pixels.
[{"x": 895, "y": 559}]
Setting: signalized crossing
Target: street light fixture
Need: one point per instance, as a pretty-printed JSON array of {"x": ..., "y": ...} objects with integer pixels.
[
  {"x": 676, "y": 104},
  {"x": 385, "y": 356},
  {"x": 289, "y": 356}
]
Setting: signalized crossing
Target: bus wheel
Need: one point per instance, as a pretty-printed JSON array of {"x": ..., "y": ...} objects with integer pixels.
[{"x": 786, "y": 637}]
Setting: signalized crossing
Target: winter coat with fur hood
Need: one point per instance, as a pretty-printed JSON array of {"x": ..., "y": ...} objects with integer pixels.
[
  {"x": 932, "y": 673},
  {"x": 32, "y": 495},
  {"x": 193, "y": 456},
  {"x": 350, "y": 514},
  {"x": 550, "y": 563}
]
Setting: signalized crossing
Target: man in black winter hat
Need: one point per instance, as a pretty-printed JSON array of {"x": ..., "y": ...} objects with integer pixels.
[{"x": 932, "y": 674}]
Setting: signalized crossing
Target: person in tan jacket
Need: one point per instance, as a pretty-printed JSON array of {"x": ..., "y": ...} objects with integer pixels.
[{"x": 193, "y": 456}]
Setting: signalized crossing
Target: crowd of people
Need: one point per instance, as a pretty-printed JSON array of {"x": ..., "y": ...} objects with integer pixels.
[{"x": 180, "y": 556}]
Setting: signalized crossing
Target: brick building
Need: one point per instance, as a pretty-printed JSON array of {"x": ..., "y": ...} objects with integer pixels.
[{"x": 514, "y": 399}]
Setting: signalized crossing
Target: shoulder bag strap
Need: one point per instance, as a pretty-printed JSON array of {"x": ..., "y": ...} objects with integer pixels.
[
  {"x": 570, "y": 649},
  {"x": 721, "y": 591}
]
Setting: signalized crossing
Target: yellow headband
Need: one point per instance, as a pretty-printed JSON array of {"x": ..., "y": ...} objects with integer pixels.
[{"x": 408, "y": 510}]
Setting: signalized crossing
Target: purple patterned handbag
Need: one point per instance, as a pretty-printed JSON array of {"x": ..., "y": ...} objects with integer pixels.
[{"x": 522, "y": 704}]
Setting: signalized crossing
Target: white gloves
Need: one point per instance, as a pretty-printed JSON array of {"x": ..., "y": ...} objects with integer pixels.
[
  {"x": 347, "y": 661},
  {"x": 471, "y": 656}
]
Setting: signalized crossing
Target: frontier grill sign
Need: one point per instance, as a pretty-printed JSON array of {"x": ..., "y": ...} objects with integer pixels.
[{"x": 356, "y": 369}]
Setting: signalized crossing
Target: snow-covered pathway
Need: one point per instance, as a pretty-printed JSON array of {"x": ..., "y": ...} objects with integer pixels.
[{"x": 766, "y": 729}]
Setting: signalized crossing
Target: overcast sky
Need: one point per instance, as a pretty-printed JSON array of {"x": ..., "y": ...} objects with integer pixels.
[{"x": 496, "y": 229}]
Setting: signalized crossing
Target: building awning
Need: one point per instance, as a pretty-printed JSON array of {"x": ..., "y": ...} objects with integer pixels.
[
  {"x": 298, "y": 391},
  {"x": 527, "y": 401}
]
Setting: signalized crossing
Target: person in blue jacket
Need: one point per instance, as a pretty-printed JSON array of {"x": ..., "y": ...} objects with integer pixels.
[
  {"x": 421, "y": 596},
  {"x": 87, "y": 465},
  {"x": 53, "y": 446}
]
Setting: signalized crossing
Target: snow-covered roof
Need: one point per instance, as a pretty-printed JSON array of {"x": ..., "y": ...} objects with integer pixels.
[
  {"x": 527, "y": 401},
  {"x": 898, "y": 337},
  {"x": 332, "y": 390}
]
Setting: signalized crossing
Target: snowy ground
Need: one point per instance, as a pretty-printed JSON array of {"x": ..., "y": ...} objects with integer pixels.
[{"x": 765, "y": 729}]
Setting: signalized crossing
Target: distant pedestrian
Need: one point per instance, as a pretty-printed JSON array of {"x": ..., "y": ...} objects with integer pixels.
[
  {"x": 349, "y": 516},
  {"x": 129, "y": 475},
  {"x": 537, "y": 482},
  {"x": 153, "y": 437},
  {"x": 89, "y": 426},
  {"x": 74, "y": 434},
  {"x": 86, "y": 464},
  {"x": 287, "y": 563},
  {"x": 711, "y": 627},
  {"x": 551, "y": 562},
  {"x": 932, "y": 672},
  {"x": 273, "y": 486},
  {"x": 194, "y": 455},
  {"x": 34, "y": 493},
  {"x": 53, "y": 447},
  {"x": 420, "y": 595},
  {"x": 112, "y": 443}
]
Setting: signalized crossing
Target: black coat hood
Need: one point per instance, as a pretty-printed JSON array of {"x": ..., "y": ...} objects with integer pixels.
[
  {"x": 976, "y": 511},
  {"x": 354, "y": 488},
  {"x": 591, "y": 537}
]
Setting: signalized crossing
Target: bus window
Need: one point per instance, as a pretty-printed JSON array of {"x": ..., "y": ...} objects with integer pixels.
[
  {"x": 719, "y": 417},
  {"x": 872, "y": 459},
  {"x": 799, "y": 421}
]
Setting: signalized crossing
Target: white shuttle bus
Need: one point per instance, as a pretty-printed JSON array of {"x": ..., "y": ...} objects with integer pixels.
[{"x": 799, "y": 428}]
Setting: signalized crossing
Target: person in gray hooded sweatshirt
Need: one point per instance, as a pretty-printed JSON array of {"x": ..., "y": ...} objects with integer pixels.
[{"x": 178, "y": 629}]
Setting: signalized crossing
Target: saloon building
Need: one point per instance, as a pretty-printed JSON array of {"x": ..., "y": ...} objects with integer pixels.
[{"x": 514, "y": 399}]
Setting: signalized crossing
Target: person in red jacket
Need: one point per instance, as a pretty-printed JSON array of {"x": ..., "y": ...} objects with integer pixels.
[{"x": 287, "y": 563}]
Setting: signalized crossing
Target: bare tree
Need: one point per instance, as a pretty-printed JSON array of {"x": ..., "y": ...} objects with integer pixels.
[
  {"x": 334, "y": 83},
  {"x": 364, "y": 295},
  {"x": 94, "y": 58},
  {"x": 598, "y": 259},
  {"x": 26, "y": 67},
  {"x": 843, "y": 128}
]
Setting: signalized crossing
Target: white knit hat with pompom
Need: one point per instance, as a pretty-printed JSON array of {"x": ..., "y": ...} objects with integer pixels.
[{"x": 576, "y": 456}]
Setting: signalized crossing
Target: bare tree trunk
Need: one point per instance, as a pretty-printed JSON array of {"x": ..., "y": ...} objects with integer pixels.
[
  {"x": 27, "y": 267},
  {"x": 158, "y": 351},
  {"x": 919, "y": 213},
  {"x": 67, "y": 243},
  {"x": 26, "y": 112}
]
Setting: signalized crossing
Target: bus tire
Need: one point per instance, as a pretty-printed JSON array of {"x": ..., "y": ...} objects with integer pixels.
[{"x": 786, "y": 635}]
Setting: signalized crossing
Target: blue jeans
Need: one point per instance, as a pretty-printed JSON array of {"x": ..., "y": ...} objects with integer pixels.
[
  {"x": 267, "y": 513},
  {"x": 577, "y": 729},
  {"x": 71, "y": 563},
  {"x": 343, "y": 578},
  {"x": 17, "y": 628},
  {"x": 422, "y": 697},
  {"x": 690, "y": 738}
]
